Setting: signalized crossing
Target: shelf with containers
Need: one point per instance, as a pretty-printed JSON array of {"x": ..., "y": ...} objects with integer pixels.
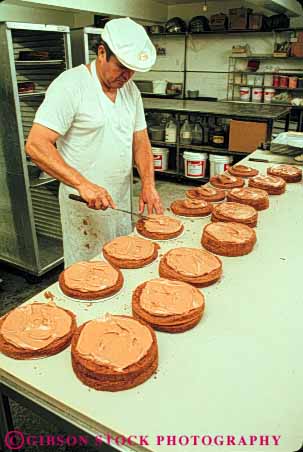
[
  {"x": 211, "y": 115},
  {"x": 31, "y": 56},
  {"x": 269, "y": 78},
  {"x": 184, "y": 61}
]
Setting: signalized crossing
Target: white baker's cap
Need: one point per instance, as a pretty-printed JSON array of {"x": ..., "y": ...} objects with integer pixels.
[{"x": 130, "y": 43}]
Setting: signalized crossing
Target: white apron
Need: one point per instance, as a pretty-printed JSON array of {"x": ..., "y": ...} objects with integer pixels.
[{"x": 86, "y": 230}]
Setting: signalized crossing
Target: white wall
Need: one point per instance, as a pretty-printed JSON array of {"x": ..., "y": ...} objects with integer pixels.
[
  {"x": 140, "y": 9},
  {"x": 16, "y": 13}
]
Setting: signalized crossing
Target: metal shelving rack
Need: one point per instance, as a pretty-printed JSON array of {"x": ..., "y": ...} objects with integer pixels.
[
  {"x": 175, "y": 172},
  {"x": 30, "y": 228},
  {"x": 84, "y": 44},
  {"x": 235, "y": 74}
]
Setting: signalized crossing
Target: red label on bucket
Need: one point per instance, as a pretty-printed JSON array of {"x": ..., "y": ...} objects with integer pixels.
[
  {"x": 226, "y": 166},
  {"x": 158, "y": 161},
  {"x": 194, "y": 169}
]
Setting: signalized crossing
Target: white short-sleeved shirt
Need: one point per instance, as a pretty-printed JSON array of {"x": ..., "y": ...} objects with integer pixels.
[{"x": 92, "y": 128}]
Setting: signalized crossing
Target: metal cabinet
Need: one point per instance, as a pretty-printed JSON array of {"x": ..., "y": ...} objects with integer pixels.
[
  {"x": 84, "y": 44},
  {"x": 30, "y": 227}
]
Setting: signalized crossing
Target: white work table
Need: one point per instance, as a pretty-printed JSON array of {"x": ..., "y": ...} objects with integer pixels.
[{"x": 239, "y": 372}]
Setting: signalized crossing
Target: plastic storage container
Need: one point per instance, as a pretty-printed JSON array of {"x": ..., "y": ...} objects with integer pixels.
[
  {"x": 194, "y": 164},
  {"x": 245, "y": 93},
  {"x": 257, "y": 94},
  {"x": 157, "y": 133},
  {"x": 219, "y": 164},
  {"x": 160, "y": 158},
  {"x": 159, "y": 86},
  {"x": 171, "y": 132},
  {"x": 269, "y": 93},
  {"x": 197, "y": 134},
  {"x": 186, "y": 134}
]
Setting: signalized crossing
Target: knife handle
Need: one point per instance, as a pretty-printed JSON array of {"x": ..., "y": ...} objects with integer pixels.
[
  {"x": 259, "y": 160},
  {"x": 76, "y": 198}
]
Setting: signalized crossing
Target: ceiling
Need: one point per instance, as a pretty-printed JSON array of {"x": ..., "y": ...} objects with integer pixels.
[{"x": 183, "y": 2}]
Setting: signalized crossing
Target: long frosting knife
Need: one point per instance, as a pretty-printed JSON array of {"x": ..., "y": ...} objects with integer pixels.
[{"x": 80, "y": 199}]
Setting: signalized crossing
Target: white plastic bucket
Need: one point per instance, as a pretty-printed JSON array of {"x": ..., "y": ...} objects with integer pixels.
[
  {"x": 194, "y": 164},
  {"x": 219, "y": 164},
  {"x": 257, "y": 94},
  {"x": 160, "y": 158},
  {"x": 159, "y": 86},
  {"x": 269, "y": 93},
  {"x": 245, "y": 93}
]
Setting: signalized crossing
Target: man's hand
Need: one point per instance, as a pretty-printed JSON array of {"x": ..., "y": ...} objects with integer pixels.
[
  {"x": 95, "y": 196},
  {"x": 151, "y": 198}
]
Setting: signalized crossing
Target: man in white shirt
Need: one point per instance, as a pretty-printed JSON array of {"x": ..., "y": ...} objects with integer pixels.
[{"x": 95, "y": 115}]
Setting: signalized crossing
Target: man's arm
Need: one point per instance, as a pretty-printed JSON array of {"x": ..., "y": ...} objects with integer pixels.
[
  {"x": 143, "y": 159},
  {"x": 41, "y": 148}
]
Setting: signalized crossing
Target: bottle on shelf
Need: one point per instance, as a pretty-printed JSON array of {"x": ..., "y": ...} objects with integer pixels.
[
  {"x": 186, "y": 133},
  {"x": 171, "y": 131},
  {"x": 217, "y": 135},
  {"x": 205, "y": 131},
  {"x": 197, "y": 134}
]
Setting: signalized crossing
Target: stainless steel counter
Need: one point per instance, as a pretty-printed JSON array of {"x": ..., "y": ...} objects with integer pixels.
[{"x": 249, "y": 111}]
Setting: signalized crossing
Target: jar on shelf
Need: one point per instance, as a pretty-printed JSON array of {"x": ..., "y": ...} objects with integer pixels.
[
  {"x": 258, "y": 80},
  {"x": 238, "y": 78},
  {"x": 276, "y": 81},
  {"x": 217, "y": 137},
  {"x": 293, "y": 82},
  {"x": 257, "y": 94},
  {"x": 268, "y": 80},
  {"x": 269, "y": 94},
  {"x": 250, "y": 79},
  {"x": 245, "y": 92},
  {"x": 300, "y": 82},
  {"x": 283, "y": 81}
]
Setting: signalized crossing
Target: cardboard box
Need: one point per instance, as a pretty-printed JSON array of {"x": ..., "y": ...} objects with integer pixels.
[
  {"x": 297, "y": 49},
  {"x": 238, "y": 18},
  {"x": 300, "y": 36},
  {"x": 255, "y": 21},
  {"x": 246, "y": 136},
  {"x": 218, "y": 22}
]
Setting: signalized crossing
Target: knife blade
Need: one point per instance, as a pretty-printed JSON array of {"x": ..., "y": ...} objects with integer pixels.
[
  {"x": 80, "y": 199},
  {"x": 273, "y": 161}
]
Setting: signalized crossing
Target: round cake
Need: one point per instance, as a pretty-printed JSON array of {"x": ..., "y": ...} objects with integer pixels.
[
  {"x": 226, "y": 181},
  {"x": 272, "y": 184},
  {"x": 254, "y": 197},
  {"x": 235, "y": 212},
  {"x": 114, "y": 353},
  {"x": 191, "y": 207},
  {"x": 289, "y": 173},
  {"x": 130, "y": 252},
  {"x": 242, "y": 171},
  {"x": 159, "y": 227},
  {"x": 228, "y": 239},
  {"x": 171, "y": 306},
  {"x": 208, "y": 194},
  {"x": 36, "y": 330},
  {"x": 191, "y": 265},
  {"x": 91, "y": 280}
]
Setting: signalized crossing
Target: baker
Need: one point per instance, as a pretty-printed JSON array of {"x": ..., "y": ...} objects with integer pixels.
[{"x": 94, "y": 115}]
